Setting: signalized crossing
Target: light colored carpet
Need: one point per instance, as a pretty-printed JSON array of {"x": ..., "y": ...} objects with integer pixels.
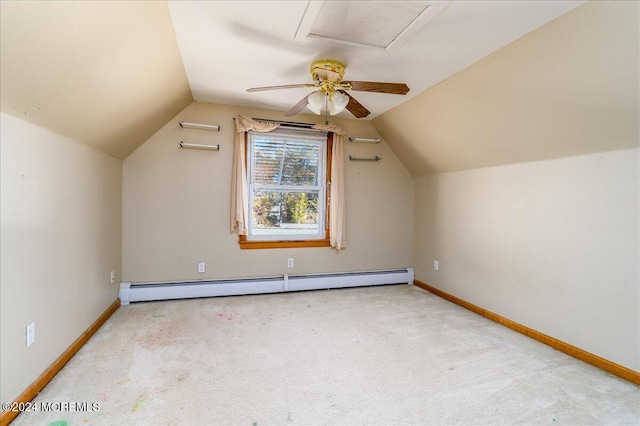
[{"x": 377, "y": 355}]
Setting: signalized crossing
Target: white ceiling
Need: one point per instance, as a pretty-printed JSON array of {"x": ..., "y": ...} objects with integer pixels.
[
  {"x": 229, "y": 46},
  {"x": 72, "y": 66}
]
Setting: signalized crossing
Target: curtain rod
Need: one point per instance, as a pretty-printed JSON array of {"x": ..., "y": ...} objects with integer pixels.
[
  {"x": 286, "y": 123},
  {"x": 290, "y": 125}
]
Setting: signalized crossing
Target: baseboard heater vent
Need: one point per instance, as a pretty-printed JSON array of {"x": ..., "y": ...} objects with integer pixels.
[{"x": 130, "y": 293}]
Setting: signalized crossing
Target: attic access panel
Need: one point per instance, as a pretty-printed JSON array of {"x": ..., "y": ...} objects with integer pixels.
[{"x": 379, "y": 25}]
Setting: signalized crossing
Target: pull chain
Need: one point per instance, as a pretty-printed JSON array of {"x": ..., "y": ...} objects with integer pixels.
[{"x": 326, "y": 109}]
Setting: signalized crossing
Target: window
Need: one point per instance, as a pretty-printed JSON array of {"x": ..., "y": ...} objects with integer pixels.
[{"x": 287, "y": 183}]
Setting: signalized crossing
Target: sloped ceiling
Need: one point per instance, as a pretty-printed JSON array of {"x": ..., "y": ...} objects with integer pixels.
[
  {"x": 108, "y": 73},
  {"x": 111, "y": 73},
  {"x": 230, "y": 46},
  {"x": 568, "y": 88}
]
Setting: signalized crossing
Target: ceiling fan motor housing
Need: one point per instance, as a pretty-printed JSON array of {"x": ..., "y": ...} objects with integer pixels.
[{"x": 327, "y": 70}]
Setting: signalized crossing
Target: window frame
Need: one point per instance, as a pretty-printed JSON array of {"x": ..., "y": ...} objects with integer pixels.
[{"x": 264, "y": 243}]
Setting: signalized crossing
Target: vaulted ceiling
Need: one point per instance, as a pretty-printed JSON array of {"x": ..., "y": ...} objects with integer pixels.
[
  {"x": 228, "y": 47},
  {"x": 570, "y": 88},
  {"x": 110, "y": 74}
]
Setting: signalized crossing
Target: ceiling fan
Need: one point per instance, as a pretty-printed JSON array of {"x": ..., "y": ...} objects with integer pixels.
[{"x": 331, "y": 90}]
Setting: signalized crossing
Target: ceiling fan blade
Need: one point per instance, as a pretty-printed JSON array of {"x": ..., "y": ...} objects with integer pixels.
[
  {"x": 286, "y": 86},
  {"x": 298, "y": 107},
  {"x": 372, "y": 86},
  {"x": 355, "y": 107}
]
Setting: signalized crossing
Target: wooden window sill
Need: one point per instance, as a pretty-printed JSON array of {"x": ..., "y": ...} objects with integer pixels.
[{"x": 246, "y": 245}]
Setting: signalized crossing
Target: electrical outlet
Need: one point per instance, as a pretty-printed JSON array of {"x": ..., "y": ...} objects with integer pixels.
[
  {"x": 30, "y": 334},
  {"x": 201, "y": 267},
  {"x": 113, "y": 277},
  {"x": 290, "y": 262},
  {"x": 435, "y": 265}
]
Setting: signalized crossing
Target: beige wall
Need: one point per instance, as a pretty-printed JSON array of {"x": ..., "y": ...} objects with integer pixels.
[
  {"x": 552, "y": 245},
  {"x": 176, "y": 207},
  {"x": 530, "y": 173},
  {"x": 60, "y": 239}
]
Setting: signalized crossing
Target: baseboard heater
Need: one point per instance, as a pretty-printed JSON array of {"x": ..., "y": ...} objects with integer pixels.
[{"x": 130, "y": 292}]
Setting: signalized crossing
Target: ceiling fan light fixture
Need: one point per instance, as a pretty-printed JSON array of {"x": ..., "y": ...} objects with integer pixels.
[
  {"x": 315, "y": 102},
  {"x": 330, "y": 95},
  {"x": 337, "y": 103}
]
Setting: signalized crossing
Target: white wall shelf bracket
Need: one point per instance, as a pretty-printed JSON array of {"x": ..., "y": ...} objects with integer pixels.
[
  {"x": 213, "y": 127},
  {"x": 376, "y": 158},
  {"x": 199, "y": 146},
  {"x": 365, "y": 140}
]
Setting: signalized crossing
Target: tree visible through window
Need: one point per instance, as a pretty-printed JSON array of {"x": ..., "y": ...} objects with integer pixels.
[{"x": 287, "y": 185}]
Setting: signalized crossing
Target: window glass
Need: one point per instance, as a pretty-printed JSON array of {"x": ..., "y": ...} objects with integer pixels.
[{"x": 287, "y": 185}]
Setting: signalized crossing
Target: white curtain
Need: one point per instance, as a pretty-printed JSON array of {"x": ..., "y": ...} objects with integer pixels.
[
  {"x": 239, "y": 192},
  {"x": 336, "y": 192},
  {"x": 239, "y": 188}
]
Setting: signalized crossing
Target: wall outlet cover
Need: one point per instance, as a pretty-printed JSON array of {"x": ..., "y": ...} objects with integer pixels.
[{"x": 30, "y": 334}]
